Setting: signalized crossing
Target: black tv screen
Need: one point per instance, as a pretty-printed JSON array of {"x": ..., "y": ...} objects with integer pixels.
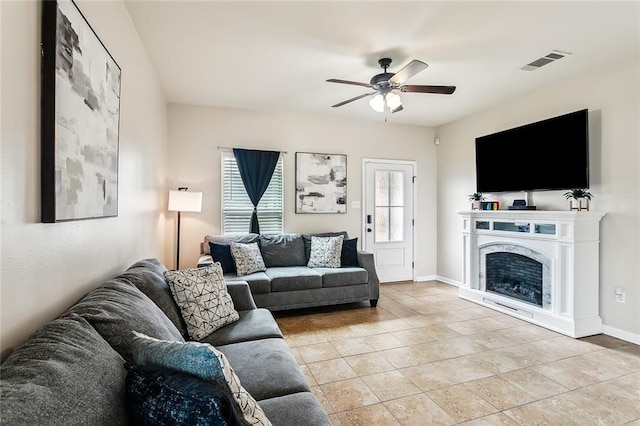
[{"x": 546, "y": 155}]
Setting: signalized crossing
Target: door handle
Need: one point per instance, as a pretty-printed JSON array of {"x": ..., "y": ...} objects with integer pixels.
[
  {"x": 369, "y": 219},
  {"x": 368, "y": 229}
]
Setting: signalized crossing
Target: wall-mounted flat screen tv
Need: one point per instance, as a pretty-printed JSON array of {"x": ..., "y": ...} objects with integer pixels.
[{"x": 546, "y": 155}]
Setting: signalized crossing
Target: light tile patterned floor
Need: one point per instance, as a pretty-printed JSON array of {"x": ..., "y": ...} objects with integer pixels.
[{"x": 426, "y": 357}]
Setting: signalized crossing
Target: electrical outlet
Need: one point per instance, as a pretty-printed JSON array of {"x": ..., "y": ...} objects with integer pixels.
[{"x": 621, "y": 296}]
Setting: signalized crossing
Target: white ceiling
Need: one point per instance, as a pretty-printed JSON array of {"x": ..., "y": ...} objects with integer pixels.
[{"x": 276, "y": 56}]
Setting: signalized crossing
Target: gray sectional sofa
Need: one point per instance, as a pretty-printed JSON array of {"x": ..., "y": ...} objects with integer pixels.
[
  {"x": 287, "y": 283},
  {"x": 71, "y": 371}
]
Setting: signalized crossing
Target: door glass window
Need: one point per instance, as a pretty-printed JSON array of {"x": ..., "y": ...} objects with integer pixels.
[{"x": 389, "y": 206}]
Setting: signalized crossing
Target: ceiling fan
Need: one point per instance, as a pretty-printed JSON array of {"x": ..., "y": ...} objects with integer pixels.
[{"x": 386, "y": 84}]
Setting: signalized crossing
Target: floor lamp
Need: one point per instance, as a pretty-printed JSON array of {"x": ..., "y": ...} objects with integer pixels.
[{"x": 183, "y": 201}]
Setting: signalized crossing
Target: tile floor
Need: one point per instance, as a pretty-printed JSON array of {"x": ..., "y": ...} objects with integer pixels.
[{"x": 426, "y": 357}]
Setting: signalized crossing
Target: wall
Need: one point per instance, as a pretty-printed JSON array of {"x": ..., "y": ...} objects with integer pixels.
[
  {"x": 612, "y": 97},
  {"x": 47, "y": 267},
  {"x": 195, "y": 132}
]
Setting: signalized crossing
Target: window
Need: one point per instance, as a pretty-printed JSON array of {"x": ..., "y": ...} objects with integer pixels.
[{"x": 237, "y": 207}]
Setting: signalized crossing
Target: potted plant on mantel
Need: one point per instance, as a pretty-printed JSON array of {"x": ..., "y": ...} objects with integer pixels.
[
  {"x": 476, "y": 199},
  {"x": 577, "y": 195}
]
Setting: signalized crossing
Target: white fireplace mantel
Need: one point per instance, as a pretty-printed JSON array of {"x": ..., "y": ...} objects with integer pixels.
[{"x": 569, "y": 239}]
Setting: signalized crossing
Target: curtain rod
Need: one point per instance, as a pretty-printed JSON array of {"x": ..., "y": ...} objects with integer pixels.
[{"x": 226, "y": 148}]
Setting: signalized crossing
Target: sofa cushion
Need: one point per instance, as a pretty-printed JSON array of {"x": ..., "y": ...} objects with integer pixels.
[
  {"x": 202, "y": 296},
  {"x": 253, "y": 325},
  {"x": 307, "y": 240},
  {"x": 266, "y": 368},
  {"x": 338, "y": 277},
  {"x": 349, "y": 255},
  {"x": 148, "y": 276},
  {"x": 325, "y": 252},
  {"x": 65, "y": 373},
  {"x": 293, "y": 278},
  {"x": 259, "y": 282},
  {"x": 203, "y": 361},
  {"x": 301, "y": 408},
  {"x": 221, "y": 252},
  {"x": 282, "y": 250},
  {"x": 165, "y": 397},
  {"x": 117, "y": 308},
  {"x": 245, "y": 239},
  {"x": 247, "y": 258}
]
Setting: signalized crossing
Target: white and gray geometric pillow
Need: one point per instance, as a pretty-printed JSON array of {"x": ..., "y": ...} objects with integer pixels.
[
  {"x": 201, "y": 294},
  {"x": 325, "y": 252},
  {"x": 248, "y": 258}
]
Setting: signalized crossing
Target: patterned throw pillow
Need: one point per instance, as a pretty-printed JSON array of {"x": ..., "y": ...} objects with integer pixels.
[
  {"x": 201, "y": 295},
  {"x": 325, "y": 252},
  {"x": 203, "y": 361},
  {"x": 248, "y": 258},
  {"x": 165, "y": 397}
]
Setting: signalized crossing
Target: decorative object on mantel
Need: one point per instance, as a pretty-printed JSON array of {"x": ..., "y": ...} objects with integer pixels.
[
  {"x": 321, "y": 183},
  {"x": 476, "y": 198},
  {"x": 490, "y": 205},
  {"x": 183, "y": 201},
  {"x": 80, "y": 115},
  {"x": 575, "y": 197}
]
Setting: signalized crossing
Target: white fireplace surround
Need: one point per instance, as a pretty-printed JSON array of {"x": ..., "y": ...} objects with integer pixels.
[{"x": 567, "y": 246}]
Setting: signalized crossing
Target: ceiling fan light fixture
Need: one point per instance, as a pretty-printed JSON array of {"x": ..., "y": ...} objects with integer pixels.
[
  {"x": 393, "y": 100},
  {"x": 377, "y": 103}
]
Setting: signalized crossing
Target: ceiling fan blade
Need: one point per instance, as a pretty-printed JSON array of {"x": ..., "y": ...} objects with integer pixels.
[
  {"x": 411, "y": 69},
  {"x": 353, "y": 99},
  {"x": 443, "y": 90},
  {"x": 400, "y": 108},
  {"x": 355, "y": 83}
]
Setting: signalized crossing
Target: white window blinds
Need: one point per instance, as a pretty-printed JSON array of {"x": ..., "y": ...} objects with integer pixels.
[{"x": 237, "y": 207}]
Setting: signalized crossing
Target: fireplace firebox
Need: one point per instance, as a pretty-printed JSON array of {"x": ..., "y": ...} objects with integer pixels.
[{"x": 514, "y": 275}]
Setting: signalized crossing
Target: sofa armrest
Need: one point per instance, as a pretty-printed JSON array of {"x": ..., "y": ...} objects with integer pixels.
[
  {"x": 205, "y": 260},
  {"x": 241, "y": 295},
  {"x": 365, "y": 260}
]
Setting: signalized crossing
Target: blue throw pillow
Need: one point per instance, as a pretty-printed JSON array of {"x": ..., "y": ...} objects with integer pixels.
[
  {"x": 221, "y": 252},
  {"x": 349, "y": 255},
  {"x": 165, "y": 397}
]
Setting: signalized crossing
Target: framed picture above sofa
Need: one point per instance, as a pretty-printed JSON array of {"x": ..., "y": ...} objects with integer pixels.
[
  {"x": 321, "y": 183},
  {"x": 80, "y": 118}
]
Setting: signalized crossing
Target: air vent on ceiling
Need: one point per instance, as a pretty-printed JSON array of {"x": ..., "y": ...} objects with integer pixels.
[{"x": 547, "y": 59}]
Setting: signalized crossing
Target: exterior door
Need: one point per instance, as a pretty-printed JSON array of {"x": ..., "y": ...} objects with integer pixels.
[{"x": 388, "y": 217}]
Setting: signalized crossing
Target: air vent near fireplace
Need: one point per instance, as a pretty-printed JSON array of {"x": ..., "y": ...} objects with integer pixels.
[{"x": 553, "y": 56}]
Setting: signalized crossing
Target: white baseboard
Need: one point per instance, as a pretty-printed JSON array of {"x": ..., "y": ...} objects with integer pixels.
[
  {"x": 448, "y": 281},
  {"x": 621, "y": 334},
  {"x": 422, "y": 278}
]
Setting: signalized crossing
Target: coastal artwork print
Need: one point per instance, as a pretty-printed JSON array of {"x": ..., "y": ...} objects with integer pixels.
[
  {"x": 80, "y": 118},
  {"x": 321, "y": 183}
]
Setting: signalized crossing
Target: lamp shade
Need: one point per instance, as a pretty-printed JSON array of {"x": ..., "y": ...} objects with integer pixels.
[{"x": 183, "y": 201}]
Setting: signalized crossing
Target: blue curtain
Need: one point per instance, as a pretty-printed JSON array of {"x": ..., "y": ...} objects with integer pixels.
[{"x": 256, "y": 169}]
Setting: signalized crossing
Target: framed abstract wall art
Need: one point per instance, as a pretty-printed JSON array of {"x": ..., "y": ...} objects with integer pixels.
[
  {"x": 80, "y": 118},
  {"x": 321, "y": 183}
]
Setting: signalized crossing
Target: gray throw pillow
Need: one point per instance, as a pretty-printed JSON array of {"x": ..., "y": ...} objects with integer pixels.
[
  {"x": 325, "y": 252},
  {"x": 202, "y": 296}
]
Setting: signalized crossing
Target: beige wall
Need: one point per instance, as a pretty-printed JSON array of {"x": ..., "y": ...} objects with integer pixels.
[
  {"x": 612, "y": 96},
  {"x": 47, "y": 267},
  {"x": 195, "y": 132}
]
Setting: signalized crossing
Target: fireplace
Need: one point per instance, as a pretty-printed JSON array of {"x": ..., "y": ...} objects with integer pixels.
[
  {"x": 539, "y": 266},
  {"x": 514, "y": 275},
  {"x": 517, "y": 272}
]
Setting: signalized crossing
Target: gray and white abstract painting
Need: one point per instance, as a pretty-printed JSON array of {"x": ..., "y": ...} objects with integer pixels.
[
  {"x": 87, "y": 111},
  {"x": 321, "y": 183}
]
